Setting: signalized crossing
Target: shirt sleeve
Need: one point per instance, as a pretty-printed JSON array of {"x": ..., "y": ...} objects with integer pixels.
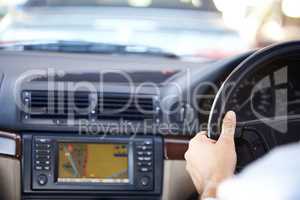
[{"x": 275, "y": 177}]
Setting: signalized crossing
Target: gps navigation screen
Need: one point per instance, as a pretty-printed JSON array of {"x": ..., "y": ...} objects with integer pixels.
[{"x": 93, "y": 163}]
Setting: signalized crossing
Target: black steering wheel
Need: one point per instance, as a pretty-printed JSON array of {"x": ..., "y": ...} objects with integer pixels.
[{"x": 263, "y": 91}]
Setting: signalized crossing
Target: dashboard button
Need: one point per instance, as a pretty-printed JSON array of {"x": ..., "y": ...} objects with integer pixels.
[
  {"x": 144, "y": 181},
  {"x": 38, "y": 167},
  {"x": 43, "y": 141},
  {"x": 147, "y": 158},
  {"x": 42, "y": 152},
  {"x": 141, "y": 147},
  {"x": 144, "y": 148},
  {"x": 140, "y": 158},
  {"x": 42, "y": 179},
  {"x": 42, "y": 146},
  {"x": 145, "y": 169},
  {"x": 42, "y": 157},
  {"x": 47, "y": 162},
  {"x": 44, "y": 162},
  {"x": 148, "y": 164}
]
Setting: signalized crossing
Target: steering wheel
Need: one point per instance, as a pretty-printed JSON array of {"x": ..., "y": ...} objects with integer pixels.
[{"x": 261, "y": 90}]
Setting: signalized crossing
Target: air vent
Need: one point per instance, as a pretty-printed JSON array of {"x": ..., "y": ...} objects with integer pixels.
[
  {"x": 125, "y": 107},
  {"x": 56, "y": 105},
  {"x": 60, "y": 106}
]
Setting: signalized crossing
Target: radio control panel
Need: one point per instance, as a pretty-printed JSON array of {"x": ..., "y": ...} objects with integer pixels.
[{"x": 67, "y": 164}]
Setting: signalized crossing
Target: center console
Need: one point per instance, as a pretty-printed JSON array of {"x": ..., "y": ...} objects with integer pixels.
[{"x": 61, "y": 166}]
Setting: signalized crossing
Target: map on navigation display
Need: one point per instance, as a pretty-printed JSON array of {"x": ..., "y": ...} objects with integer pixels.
[{"x": 87, "y": 162}]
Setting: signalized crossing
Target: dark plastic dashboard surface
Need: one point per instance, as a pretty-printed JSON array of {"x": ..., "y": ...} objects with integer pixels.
[{"x": 17, "y": 66}]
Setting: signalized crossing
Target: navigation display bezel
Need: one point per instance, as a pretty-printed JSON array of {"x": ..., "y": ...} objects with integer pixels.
[{"x": 43, "y": 181}]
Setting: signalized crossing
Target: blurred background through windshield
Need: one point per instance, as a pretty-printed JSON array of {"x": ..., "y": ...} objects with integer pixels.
[{"x": 199, "y": 29}]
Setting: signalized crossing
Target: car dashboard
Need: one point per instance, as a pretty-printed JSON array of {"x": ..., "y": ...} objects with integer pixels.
[{"x": 102, "y": 126}]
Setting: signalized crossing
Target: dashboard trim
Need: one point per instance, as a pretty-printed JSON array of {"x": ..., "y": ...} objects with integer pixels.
[
  {"x": 7, "y": 137},
  {"x": 175, "y": 147}
]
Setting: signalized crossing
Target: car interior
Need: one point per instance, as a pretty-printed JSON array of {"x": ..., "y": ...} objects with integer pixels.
[{"x": 90, "y": 120}]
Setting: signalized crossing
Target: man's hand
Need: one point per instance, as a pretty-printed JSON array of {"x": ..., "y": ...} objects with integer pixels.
[{"x": 209, "y": 162}]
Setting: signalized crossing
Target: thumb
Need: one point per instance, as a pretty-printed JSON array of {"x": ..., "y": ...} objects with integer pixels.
[{"x": 228, "y": 128}]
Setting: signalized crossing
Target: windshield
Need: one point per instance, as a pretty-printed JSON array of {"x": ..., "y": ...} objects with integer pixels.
[
  {"x": 186, "y": 28},
  {"x": 198, "y": 29},
  {"x": 204, "y": 5}
]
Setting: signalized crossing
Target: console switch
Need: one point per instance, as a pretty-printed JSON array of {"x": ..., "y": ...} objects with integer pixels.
[
  {"x": 144, "y": 156},
  {"x": 144, "y": 181},
  {"x": 42, "y": 154},
  {"x": 42, "y": 179}
]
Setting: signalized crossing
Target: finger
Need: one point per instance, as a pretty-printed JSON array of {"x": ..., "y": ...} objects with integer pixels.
[
  {"x": 228, "y": 127},
  {"x": 197, "y": 138},
  {"x": 186, "y": 155},
  {"x": 211, "y": 140},
  {"x": 201, "y": 137},
  {"x": 205, "y": 138},
  {"x": 201, "y": 134}
]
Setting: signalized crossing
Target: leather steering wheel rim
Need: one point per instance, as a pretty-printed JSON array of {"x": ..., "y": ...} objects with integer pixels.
[{"x": 254, "y": 62}]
